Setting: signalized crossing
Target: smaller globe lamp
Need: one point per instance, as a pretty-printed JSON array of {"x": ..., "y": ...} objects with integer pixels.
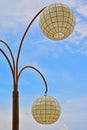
[{"x": 46, "y": 110}]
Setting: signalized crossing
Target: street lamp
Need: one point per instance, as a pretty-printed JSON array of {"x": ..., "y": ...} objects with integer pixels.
[{"x": 56, "y": 22}]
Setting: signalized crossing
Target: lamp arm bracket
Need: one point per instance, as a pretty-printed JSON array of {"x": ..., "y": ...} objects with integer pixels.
[{"x": 31, "y": 67}]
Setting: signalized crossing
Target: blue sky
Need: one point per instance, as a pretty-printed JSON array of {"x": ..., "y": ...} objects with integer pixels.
[{"x": 63, "y": 63}]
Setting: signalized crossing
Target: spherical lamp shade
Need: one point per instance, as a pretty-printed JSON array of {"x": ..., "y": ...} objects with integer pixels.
[
  {"x": 46, "y": 110},
  {"x": 57, "y": 21}
]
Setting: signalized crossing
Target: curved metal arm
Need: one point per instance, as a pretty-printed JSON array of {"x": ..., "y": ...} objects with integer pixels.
[
  {"x": 9, "y": 51},
  {"x": 8, "y": 61},
  {"x": 38, "y": 72},
  {"x": 24, "y": 37}
]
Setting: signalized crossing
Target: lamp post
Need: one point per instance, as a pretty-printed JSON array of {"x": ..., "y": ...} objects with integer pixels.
[{"x": 56, "y": 22}]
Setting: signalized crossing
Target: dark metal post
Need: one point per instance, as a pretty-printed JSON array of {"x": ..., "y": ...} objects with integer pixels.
[{"x": 15, "y": 114}]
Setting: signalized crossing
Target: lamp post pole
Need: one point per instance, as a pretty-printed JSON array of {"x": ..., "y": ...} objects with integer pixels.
[{"x": 16, "y": 74}]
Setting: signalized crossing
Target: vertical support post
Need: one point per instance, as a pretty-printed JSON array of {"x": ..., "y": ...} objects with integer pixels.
[{"x": 15, "y": 120}]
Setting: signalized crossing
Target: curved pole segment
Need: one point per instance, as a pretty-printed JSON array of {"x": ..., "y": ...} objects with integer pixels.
[
  {"x": 9, "y": 51},
  {"x": 38, "y": 72},
  {"x": 8, "y": 61},
  {"x": 19, "y": 50}
]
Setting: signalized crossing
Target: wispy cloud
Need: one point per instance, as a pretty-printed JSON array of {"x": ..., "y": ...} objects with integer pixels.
[
  {"x": 76, "y": 43},
  {"x": 82, "y": 9},
  {"x": 5, "y": 117},
  {"x": 81, "y": 29},
  {"x": 64, "y": 127},
  {"x": 74, "y": 113},
  {"x": 77, "y": 49}
]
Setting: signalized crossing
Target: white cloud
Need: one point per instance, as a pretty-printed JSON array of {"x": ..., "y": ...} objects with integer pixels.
[
  {"x": 74, "y": 114},
  {"x": 82, "y": 9},
  {"x": 81, "y": 30},
  {"x": 77, "y": 104},
  {"x": 76, "y": 43},
  {"x": 64, "y": 127},
  {"x": 5, "y": 119},
  {"x": 78, "y": 50}
]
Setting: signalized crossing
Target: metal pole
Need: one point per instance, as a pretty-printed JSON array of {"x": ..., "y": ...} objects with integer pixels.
[{"x": 15, "y": 120}]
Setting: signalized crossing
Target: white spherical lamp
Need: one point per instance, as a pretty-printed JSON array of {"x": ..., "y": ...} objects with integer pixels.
[
  {"x": 46, "y": 110},
  {"x": 57, "y": 21}
]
